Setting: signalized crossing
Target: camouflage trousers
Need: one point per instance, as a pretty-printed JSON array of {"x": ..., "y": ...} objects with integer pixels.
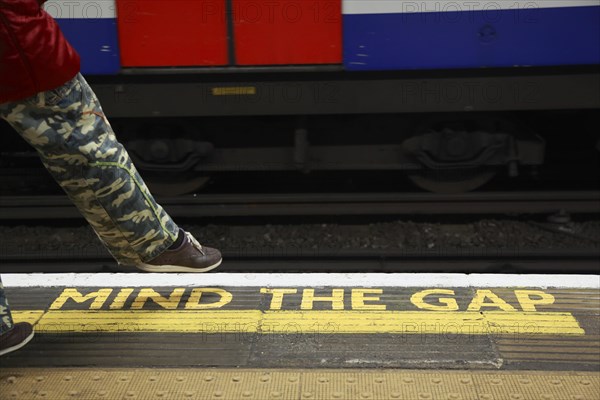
[
  {"x": 78, "y": 147},
  {"x": 6, "y": 322}
]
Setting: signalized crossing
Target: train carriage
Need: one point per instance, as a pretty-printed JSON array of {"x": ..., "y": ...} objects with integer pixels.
[
  {"x": 197, "y": 87},
  {"x": 358, "y": 35}
]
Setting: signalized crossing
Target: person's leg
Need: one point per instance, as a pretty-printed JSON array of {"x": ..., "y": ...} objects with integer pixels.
[
  {"x": 12, "y": 336},
  {"x": 6, "y": 322},
  {"x": 77, "y": 145}
]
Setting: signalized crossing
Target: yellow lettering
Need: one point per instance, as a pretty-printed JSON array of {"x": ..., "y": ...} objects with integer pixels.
[
  {"x": 99, "y": 298},
  {"x": 277, "y": 299},
  {"x": 418, "y": 299},
  {"x": 528, "y": 304},
  {"x": 193, "y": 302},
  {"x": 120, "y": 299},
  {"x": 336, "y": 299},
  {"x": 169, "y": 303},
  {"x": 359, "y": 298},
  {"x": 479, "y": 301}
]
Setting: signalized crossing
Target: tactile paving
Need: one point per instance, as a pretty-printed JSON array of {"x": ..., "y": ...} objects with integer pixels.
[{"x": 309, "y": 384}]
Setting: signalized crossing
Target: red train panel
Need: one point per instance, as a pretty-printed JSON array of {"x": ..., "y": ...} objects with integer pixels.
[
  {"x": 287, "y": 32},
  {"x": 156, "y": 33}
]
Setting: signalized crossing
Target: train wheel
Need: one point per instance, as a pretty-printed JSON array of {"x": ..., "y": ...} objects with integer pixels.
[
  {"x": 175, "y": 187},
  {"x": 451, "y": 181}
]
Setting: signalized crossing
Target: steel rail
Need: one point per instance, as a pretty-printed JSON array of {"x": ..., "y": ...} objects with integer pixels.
[{"x": 307, "y": 204}]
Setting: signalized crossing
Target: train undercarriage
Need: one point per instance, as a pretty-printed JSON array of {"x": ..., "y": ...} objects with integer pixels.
[
  {"x": 446, "y": 134},
  {"x": 448, "y": 154}
]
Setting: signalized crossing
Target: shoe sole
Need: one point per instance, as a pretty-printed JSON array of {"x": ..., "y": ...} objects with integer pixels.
[
  {"x": 176, "y": 268},
  {"x": 18, "y": 345}
]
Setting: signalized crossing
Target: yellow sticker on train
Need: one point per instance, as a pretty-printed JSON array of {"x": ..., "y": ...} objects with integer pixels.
[{"x": 234, "y": 91}]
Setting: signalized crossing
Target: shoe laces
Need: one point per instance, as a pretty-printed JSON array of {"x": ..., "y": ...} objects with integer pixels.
[{"x": 195, "y": 243}]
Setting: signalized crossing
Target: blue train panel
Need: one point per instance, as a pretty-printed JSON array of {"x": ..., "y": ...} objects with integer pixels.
[
  {"x": 91, "y": 28},
  {"x": 98, "y": 48},
  {"x": 396, "y": 34}
]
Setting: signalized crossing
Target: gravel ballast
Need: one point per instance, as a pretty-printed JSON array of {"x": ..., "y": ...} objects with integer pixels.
[{"x": 380, "y": 236}]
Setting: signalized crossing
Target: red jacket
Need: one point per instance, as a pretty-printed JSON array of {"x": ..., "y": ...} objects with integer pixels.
[{"x": 34, "y": 55}]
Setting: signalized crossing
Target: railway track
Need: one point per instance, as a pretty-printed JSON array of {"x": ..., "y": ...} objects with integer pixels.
[
  {"x": 305, "y": 204},
  {"x": 518, "y": 260},
  {"x": 287, "y": 258}
]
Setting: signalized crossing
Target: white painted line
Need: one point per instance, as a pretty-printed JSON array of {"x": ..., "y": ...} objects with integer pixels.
[
  {"x": 491, "y": 6},
  {"x": 300, "y": 280}
]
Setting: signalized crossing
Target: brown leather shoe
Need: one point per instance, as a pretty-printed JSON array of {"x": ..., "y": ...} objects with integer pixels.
[
  {"x": 189, "y": 257},
  {"x": 17, "y": 337}
]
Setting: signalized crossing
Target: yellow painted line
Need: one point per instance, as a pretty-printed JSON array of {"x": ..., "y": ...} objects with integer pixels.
[
  {"x": 424, "y": 322},
  {"x": 32, "y": 316},
  {"x": 149, "y": 321},
  {"x": 324, "y": 322}
]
